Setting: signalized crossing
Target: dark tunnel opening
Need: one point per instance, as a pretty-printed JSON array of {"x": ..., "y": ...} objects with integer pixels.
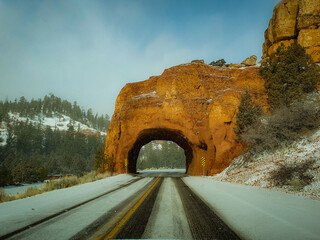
[{"x": 149, "y": 135}]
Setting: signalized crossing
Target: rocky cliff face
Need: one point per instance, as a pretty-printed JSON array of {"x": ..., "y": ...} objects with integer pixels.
[
  {"x": 193, "y": 105},
  {"x": 294, "y": 21}
]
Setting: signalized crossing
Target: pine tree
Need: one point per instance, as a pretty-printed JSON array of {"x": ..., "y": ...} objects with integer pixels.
[
  {"x": 248, "y": 112},
  {"x": 290, "y": 74},
  {"x": 10, "y": 147},
  {"x": 99, "y": 158},
  {"x": 5, "y": 176}
]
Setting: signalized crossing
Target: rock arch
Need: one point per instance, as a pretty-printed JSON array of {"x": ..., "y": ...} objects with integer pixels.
[
  {"x": 148, "y": 135},
  {"x": 195, "y": 102}
]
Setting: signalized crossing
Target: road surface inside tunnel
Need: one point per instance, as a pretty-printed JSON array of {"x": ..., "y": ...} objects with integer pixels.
[{"x": 149, "y": 205}]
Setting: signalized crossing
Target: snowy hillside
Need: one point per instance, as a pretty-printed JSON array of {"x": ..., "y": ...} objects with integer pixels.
[
  {"x": 257, "y": 171},
  {"x": 57, "y": 121}
]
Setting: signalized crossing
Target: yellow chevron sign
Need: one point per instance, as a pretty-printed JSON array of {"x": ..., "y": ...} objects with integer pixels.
[
  {"x": 125, "y": 162},
  {"x": 203, "y": 161}
]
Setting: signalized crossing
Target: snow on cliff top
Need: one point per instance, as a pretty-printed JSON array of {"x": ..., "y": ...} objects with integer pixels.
[{"x": 257, "y": 171}]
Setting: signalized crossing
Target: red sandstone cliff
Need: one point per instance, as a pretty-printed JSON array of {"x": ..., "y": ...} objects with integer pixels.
[{"x": 294, "y": 21}]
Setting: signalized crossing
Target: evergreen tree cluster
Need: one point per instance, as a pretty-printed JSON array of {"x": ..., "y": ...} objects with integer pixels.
[
  {"x": 158, "y": 154},
  {"x": 290, "y": 74},
  {"x": 51, "y": 105},
  {"x": 31, "y": 153},
  {"x": 291, "y": 82}
]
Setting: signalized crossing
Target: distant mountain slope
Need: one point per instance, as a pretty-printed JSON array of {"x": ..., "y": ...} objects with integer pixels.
[
  {"x": 57, "y": 121},
  {"x": 52, "y": 106}
]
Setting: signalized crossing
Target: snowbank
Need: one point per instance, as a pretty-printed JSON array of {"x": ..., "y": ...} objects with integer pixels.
[
  {"x": 257, "y": 213},
  {"x": 19, "y": 189},
  {"x": 19, "y": 213}
]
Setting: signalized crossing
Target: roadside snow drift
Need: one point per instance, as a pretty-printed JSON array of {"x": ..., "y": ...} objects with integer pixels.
[{"x": 20, "y": 213}]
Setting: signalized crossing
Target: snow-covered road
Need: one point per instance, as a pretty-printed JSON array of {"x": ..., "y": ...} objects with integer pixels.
[
  {"x": 167, "y": 219},
  {"x": 258, "y": 213},
  {"x": 20, "y": 213},
  {"x": 170, "y": 211}
]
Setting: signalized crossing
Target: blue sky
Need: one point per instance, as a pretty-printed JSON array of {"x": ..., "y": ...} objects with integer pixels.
[{"x": 87, "y": 50}]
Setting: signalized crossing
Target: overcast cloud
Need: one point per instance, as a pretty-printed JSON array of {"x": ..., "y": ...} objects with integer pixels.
[{"x": 86, "y": 51}]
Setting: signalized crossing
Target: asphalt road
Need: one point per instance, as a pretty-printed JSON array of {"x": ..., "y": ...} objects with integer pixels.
[
  {"x": 156, "y": 205},
  {"x": 162, "y": 216}
]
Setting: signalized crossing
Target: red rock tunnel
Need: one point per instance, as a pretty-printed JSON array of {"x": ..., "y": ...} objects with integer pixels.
[
  {"x": 149, "y": 135},
  {"x": 193, "y": 105}
]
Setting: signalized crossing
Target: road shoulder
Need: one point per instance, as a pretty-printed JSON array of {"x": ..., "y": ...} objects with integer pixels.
[{"x": 255, "y": 213}]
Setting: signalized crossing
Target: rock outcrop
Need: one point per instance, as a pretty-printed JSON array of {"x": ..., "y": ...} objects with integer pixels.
[
  {"x": 191, "y": 104},
  {"x": 198, "y": 61},
  {"x": 250, "y": 61},
  {"x": 235, "y": 65},
  {"x": 294, "y": 21}
]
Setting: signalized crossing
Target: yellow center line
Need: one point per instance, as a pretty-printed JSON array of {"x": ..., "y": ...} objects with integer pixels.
[{"x": 129, "y": 214}]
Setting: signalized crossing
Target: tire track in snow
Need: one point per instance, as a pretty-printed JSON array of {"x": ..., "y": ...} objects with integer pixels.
[
  {"x": 135, "y": 226},
  {"x": 167, "y": 219},
  {"x": 203, "y": 222}
]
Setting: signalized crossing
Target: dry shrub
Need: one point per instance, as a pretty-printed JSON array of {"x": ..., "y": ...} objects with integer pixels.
[
  {"x": 29, "y": 192},
  {"x": 295, "y": 175},
  {"x": 5, "y": 197},
  {"x": 61, "y": 183},
  {"x": 66, "y": 182},
  {"x": 284, "y": 125}
]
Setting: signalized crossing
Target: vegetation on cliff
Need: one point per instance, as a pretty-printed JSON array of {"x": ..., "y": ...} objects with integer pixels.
[
  {"x": 291, "y": 83},
  {"x": 248, "y": 113},
  {"x": 284, "y": 126},
  {"x": 290, "y": 73}
]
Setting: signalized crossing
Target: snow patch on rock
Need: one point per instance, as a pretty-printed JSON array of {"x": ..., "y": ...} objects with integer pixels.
[{"x": 145, "y": 95}]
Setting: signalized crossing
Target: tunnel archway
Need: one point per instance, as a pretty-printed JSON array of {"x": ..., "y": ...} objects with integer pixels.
[
  {"x": 162, "y": 155},
  {"x": 149, "y": 135},
  {"x": 195, "y": 105}
]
